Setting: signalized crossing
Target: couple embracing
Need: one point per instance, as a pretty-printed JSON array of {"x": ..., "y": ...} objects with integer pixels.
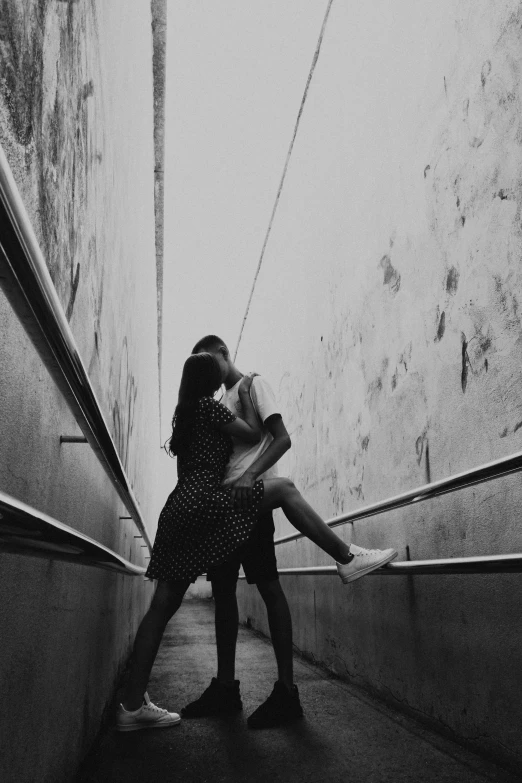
[{"x": 219, "y": 518}]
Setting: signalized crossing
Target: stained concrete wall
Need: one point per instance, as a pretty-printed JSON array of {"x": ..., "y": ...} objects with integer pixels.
[
  {"x": 77, "y": 125},
  {"x": 387, "y": 317}
]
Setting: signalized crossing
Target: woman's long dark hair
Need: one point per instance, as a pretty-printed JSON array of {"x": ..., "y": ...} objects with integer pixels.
[{"x": 201, "y": 378}]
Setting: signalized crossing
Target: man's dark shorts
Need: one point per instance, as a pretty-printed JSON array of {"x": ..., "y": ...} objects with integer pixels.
[{"x": 257, "y": 556}]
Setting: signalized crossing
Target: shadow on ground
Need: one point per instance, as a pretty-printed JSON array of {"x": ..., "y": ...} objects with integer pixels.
[{"x": 344, "y": 736}]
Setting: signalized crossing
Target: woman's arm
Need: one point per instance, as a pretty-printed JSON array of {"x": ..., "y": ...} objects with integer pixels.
[{"x": 247, "y": 429}]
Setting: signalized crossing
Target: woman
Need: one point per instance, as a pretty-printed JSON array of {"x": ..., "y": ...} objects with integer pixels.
[{"x": 199, "y": 525}]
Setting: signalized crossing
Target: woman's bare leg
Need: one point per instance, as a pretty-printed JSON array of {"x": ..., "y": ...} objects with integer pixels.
[
  {"x": 282, "y": 493},
  {"x": 166, "y": 602}
]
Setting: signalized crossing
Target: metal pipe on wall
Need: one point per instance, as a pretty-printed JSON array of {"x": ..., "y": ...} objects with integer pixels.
[
  {"x": 27, "y": 284},
  {"x": 488, "y": 564},
  {"x": 26, "y": 531},
  {"x": 468, "y": 478}
]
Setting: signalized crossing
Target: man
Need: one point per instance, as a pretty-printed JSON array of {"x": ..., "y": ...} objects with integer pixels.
[{"x": 247, "y": 464}]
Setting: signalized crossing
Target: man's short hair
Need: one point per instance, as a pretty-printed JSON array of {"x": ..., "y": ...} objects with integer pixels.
[{"x": 208, "y": 343}]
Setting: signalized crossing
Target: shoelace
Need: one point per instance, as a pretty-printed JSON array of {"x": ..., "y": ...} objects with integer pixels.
[{"x": 153, "y": 708}]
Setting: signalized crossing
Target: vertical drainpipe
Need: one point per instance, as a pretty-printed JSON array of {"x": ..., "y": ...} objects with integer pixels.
[{"x": 159, "y": 53}]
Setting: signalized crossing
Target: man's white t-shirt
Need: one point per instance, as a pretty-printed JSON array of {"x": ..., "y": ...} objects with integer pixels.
[{"x": 245, "y": 454}]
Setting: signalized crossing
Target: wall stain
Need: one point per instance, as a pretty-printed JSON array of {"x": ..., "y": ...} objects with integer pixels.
[
  {"x": 86, "y": 91},
  {"x": 374, "y": 387},
  {"x": 357, "y": 491},
  {"x": 74, "y": 288},
  {"x": 402, "y": 365},
  {"x": 392, "y": 277},
  {"x": 426, "y": 169},
  {"x": 452, "y": 280},
  {"x": 427, "y": 463},
  {"x": 124, "y": 406},
  {"x": 504, "y": 432},
  {"x": 507, "y": 300},
  {"x": 484, "y": 342},
  {"x": 465, "y": 363},
  {"x": 441, "y": 327},
  {"x": 419, "y": 447},
  {"x": 517, "y": 426},
  {"x": 486, "y": 70},
  {"x": 422, "y": 448}
]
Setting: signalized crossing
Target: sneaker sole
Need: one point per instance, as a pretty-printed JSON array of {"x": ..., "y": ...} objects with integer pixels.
[
  {"x": 138, "y": 727},
  {"x": 368, "y": 569}
]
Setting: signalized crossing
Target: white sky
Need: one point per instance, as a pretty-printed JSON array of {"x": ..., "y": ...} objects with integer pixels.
[{"x": 236, "y": 72}]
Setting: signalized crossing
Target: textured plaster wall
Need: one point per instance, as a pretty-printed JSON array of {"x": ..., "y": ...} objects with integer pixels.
[
  {"x": 159, "y": 37},
  {"x": 387, "y": 317},
  {"x": 76, "y": 122}
]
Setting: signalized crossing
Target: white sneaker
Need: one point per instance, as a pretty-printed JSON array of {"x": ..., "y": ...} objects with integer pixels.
[
  {"x": 147, "y": 717},
  {"x": 364, "y": 561}
]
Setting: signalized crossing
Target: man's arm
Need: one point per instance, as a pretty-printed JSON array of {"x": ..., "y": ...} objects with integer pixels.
[{"x": 242, "y": 488}]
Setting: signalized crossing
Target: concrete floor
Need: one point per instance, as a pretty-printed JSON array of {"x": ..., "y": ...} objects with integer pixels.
[{"x": 345, "y": 736}]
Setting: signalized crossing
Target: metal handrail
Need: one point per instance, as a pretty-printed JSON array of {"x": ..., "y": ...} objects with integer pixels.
[
  {"x": 28, "y": 285},
  {"x": 489, "y": 564},
  {"x": 24, "y": 530},
  {"x": 468, "y": 478}
]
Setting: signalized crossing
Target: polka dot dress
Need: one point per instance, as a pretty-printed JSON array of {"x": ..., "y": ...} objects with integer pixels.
[{"x": 198, "y": 526}]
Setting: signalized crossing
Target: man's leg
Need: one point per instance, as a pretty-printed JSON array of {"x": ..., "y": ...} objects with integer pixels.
[
  {"x": 280, "y": 624},
  {"x": 226, "y": 621},
  {"x": 260, "y": 564},
  {"x": 222, "y": 696}
]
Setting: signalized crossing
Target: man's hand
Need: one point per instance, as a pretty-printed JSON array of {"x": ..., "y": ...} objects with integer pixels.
[{"x": 241, "y": 492}]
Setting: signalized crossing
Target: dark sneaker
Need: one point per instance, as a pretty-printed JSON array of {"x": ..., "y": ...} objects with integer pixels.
[
  {"x": 282, "y": 706},
  {"x": 218, "y": 699}
]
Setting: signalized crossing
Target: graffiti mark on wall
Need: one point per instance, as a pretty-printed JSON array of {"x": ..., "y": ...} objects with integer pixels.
[
  {"x": 392, "y": 278},
  {"x": 124, "y": 406}
]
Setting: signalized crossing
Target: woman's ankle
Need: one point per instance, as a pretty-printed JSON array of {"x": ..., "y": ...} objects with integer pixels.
[
  {"x": 346, "y": 557},
  {"x": 132, "y": 701},
  {"x": 131, "y": 706}
]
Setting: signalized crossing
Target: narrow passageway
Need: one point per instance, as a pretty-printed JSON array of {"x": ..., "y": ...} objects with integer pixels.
[{"x": 345, "y": 736}]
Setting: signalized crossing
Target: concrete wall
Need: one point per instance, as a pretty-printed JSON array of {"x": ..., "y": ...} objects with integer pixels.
[
  {"x": 76, "y": 122},
  {"x": 387, "y": 317}
]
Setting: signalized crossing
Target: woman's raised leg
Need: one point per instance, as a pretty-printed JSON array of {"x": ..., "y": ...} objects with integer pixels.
[
  {"x": 352, "y": 561},
  {"x": 282, "y": 493}
]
